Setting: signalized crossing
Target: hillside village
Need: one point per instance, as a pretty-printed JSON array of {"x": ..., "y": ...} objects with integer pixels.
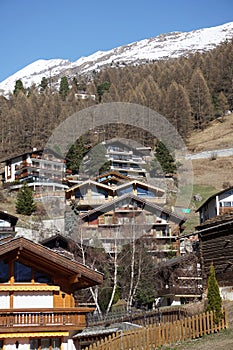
[
  {"x": 110, "y": 214},
  {"x": 92, "y": 245}
]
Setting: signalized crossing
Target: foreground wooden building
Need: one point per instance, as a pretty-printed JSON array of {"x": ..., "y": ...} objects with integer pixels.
[
  {"x": 216, "y": 245},
  {"x": 38, "y": 287}
]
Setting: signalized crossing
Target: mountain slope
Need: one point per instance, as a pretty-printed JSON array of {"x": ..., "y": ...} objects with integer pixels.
[{"x": 164, "y": 46}]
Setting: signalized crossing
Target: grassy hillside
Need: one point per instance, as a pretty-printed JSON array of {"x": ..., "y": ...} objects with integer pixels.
[
  {"x": 210, "y": 175},
  {"x": 216, "y": 136}
]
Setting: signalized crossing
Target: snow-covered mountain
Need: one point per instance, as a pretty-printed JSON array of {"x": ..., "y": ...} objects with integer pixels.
[{"x": 164, "y": 46}]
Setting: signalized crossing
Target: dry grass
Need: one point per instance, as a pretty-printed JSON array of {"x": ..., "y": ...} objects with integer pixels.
[
  {"x": 213, "y": 172},
  {"x": 217, "y": 136},
  {"x": 216, "y": 341}
]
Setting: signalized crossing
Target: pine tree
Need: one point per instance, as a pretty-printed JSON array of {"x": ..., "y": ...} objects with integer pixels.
[
  {"x": 214, "y": 298},
  {"x": 163, "y": 161},
  {"x": 43, "y": 84},
  {"x": 101, "y": 89},
  {"x": 75, "y": 155},
  {"x": 18, "y": 87},
  {"x": 25, "y": 204},
  {"x": 64, "y": 87}
]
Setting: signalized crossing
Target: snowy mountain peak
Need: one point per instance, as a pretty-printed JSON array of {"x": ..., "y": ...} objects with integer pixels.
[{"x": 164, "y": 46}]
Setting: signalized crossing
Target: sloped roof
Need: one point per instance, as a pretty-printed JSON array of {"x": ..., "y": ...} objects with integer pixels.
[
  {"x": 45, "y": 151},
  {"x": 67, "y": 273},
  {"x": 143, "y": 184},
  {"x": 8, "y": 217},
  {"x": 147, "y": 206},
  {"x": 123, "y": 185},
  {"x": 87, "y": 183},
  {"x": 114, "y": 174}
]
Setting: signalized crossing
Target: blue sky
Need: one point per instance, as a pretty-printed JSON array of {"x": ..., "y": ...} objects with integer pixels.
[{"x": 44, "y": 29}]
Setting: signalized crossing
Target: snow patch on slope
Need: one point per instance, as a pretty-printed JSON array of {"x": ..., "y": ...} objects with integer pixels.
[{"x": 164, "y": 46}]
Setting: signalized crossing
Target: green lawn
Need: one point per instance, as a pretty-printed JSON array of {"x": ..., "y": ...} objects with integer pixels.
[{"x": 205, "y": 191}]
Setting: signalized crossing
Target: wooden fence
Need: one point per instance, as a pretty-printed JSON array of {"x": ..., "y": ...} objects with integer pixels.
[{"x": 154, "y": 336}]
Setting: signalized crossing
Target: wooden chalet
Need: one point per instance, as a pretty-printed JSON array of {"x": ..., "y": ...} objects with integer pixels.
[
  {"x": 216, "y": 245},
  {"x": 37, "y": 304},
  {"x": 90, "y": 194},
  {"x": 127, "y": 217},
  {"x": 179, "y": 280}
]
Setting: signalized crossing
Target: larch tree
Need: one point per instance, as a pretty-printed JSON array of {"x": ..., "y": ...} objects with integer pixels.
[
  {"x": 178, "y": 109},
  {"x": 223, "y": 105},
  {"x": 200, "y": 99}
]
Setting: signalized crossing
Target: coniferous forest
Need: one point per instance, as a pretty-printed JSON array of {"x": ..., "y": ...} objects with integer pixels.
[{"x": 189, "y": 91}]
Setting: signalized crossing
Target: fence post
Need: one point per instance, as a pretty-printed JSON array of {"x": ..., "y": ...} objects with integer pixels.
[
  {"x": 226, "y": 319},
  {"x": 179, "y": 334},
  {"x": 211, "y": 322},
  {"x": 204, "y": 323},
  {"x": 208, "y": 322},
  {"x": 197, "y": 326},
  {"x": 200, "y": 325},
  {"x": 190, "y": 331}
]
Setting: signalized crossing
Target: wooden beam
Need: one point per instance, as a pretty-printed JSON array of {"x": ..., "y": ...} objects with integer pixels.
[{"x": 75, "y": 278}]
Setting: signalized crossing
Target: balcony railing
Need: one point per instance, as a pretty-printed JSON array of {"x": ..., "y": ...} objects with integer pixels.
[
  {"x": 189, "y": 291},
  {"x": 41, "y": 320}
]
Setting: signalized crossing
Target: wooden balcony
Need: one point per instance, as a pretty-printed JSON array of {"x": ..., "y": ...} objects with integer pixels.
[{"x": 39, "y": 320}]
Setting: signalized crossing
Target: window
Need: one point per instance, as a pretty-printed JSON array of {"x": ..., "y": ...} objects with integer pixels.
[
  {"x": 79, "y": 194},
  {"x": 40, "y": 277},
  {"x": 55, "y": 343},
  {"x": 125, "y": 190},
  {"x": 45, "y": 344},
  {"x": 108, "y": 219},
  {"x": 3, "y": 272},
  {"x": 144, "y": 192},
  {"x": 34, "y": 344},
  {"x": 227, "y": 204},
  {"x": 22, "y": 273}
]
